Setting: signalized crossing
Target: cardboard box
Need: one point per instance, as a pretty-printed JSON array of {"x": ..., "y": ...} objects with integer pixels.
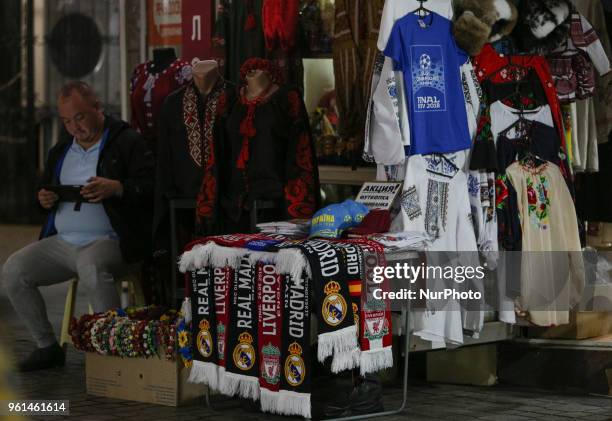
[
  {"x": 151, "y": 380},
  {"x": 472, "y": 365},
  {"x": 596, "y": 297},
  {"x": 582, "y": 325}
]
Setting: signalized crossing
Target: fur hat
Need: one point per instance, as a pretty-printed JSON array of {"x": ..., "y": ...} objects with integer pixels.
[
  {"x": 482, "y": 21},
  {"x": 544, "y": 25}
]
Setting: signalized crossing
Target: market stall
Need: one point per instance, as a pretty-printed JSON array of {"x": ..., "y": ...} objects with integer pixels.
[{"x": 477, "y": 129}]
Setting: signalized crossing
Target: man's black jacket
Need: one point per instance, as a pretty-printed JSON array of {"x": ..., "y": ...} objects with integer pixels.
[{"x": 124, "y": 157}]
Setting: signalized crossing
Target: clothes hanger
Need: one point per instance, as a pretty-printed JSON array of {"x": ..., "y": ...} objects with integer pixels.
[
  {"x": 442, "y": 157},
  {"x": 531, "y": 160},
  {"x": 423, "y": 12}
]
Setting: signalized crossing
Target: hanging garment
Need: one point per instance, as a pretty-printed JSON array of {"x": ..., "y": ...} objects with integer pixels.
[
  {"x": 594, "y": 13},
  {"x": 239, "y": 36},
  {"x": 429, "y": 57},
  {"x": 435, "y": 203},
  {"x": 490, "y": 64},
  {"x": 280, "y": 19},
  {"x": 552, "y": 271},
  {"x": 529, "y": 89},
  {"x": 148, "y": 91},
  {"x": 541, "y": 140},
  {"x": 354, "y": 52},
  {"x": 387, "y": 135},
  {"x": 573, "y": 64},
  {"x": 481, "y": 188},
  {"x": 271, "y": 156},
  {"x": 387, "y": 128},
  {"x": 245, "y": 37},
  {"x": 584, "y": 136},
  {"x": 192, "y": 133},
  {"x": 397, "y": 9},
  {"x": 502, "y": 116}
]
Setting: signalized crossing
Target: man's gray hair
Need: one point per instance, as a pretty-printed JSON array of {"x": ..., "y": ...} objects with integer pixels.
[{"x": 83, "y": 88}]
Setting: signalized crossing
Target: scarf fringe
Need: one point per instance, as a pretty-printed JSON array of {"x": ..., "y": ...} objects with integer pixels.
[
  {"x": 292, "y": 262},
  {"x": 293, "y": 403},
  {"x": 196, "y": 258},
  {"x": 256, "y": 257},
  {"x": 376, "y": 360},
  {"x": 270, "y": 401},
  {"x": 346, "y": 360},
  {"x": 227, "y": 386},
  {"x": 186, "y": 260},
  {"x": 204, "y": 373},
  {"x": 244, "y": 386},
  {"x": 337, "y": 342},
  {"x": 186, "y": 310},
  {"x": 226, "y": 256}
]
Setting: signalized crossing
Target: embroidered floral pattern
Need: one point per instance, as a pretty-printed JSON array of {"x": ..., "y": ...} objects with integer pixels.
[
  {"x": 538, "y": 201},
  {"x": 410, "y": 203},
  {"x": 501, "y": 191}
]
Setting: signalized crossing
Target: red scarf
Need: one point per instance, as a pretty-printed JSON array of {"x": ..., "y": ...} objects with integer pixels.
[{"x": 247, "y": 126}]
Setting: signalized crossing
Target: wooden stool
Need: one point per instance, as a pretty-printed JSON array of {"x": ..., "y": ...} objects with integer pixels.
[{"x": 130, "y": 283}]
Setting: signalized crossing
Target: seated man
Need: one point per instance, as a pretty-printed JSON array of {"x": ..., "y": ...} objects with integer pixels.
[{"x": 111, "y": 228}]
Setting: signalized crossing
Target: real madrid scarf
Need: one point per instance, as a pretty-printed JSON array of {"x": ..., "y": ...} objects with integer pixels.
[
  {"x": 203, "y": 329},
  {"x": 376, "y": 337},
  {"x": 269, "y": 333},
  {"x": 354, "y": 269},
  {"x": 242, "y": 365},
  {"x": 295, "y": 352},
  {"x": 337, "y": 330}
]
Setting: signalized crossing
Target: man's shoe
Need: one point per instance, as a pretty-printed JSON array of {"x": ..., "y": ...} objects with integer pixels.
[{"x": 43, "y": 358}]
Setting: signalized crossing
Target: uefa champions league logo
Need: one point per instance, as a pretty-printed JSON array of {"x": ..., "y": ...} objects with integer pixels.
[
  {"x": 425, "y": 63},
  {"x": 428, "y": 72}
]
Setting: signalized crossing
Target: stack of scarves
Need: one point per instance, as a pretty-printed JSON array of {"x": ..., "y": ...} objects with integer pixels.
[{"x": 251, "y": 298}]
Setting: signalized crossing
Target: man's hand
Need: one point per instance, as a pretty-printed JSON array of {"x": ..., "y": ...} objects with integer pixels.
[
  {"x": 100, "y": 188},
  {"x": 47, "y": 199}
]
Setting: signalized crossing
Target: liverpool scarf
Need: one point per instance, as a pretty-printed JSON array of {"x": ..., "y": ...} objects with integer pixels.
[
  {"x": 269, "y": 334},
  {"x": 376, "y": 337},
  {"x": 222, "y": 286},
  {"x": 337, "y": 330},
  {"x": 203, "y": 329},
  {"x": 242, "y": 364},
  {"x": 295, "y": 351}
]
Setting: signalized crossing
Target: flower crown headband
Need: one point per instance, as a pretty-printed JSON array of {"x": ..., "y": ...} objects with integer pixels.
[{"x": 257, "y": 63}]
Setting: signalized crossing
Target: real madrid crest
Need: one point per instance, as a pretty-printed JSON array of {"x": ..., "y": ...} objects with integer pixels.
[
  {"x": 244, "y": 353},
  {"x": 295, "y": 370},
  {"x": 334, "y": 305},
  {"x": 204, "y": 340}
]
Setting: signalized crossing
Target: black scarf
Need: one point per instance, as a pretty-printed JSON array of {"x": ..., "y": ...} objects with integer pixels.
[
  {"x": 337, "y": 331},
  {"x": 242, "y": 365},
  {"x": 203, "y": 329}
]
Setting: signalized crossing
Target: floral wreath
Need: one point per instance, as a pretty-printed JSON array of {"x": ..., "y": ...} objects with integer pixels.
[{"x": 257, "y": 63}]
